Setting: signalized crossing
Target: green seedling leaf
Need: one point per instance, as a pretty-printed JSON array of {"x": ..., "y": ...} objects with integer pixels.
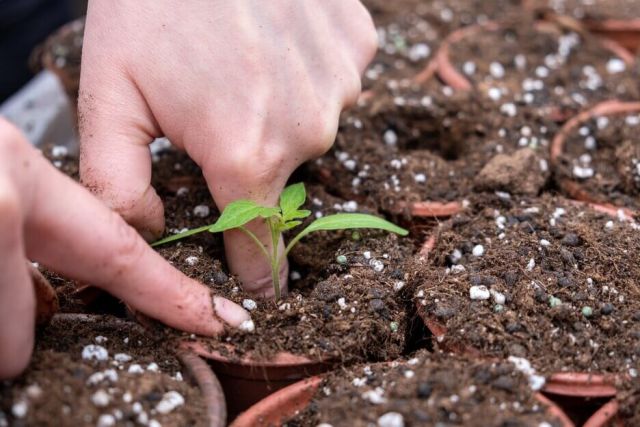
[
  {"x": 299, "y": 214},
  {"x": 291, "y": 224},
  {"x": 352, "y": 220},
  {"x": 240, "y": 212},
  {"x": 291, "y": 199},
  {"x": 180, "y": 235}
]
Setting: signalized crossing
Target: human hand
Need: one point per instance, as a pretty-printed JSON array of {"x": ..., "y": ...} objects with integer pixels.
[
  {"x": 46, "y": 217},
  {"x": 250, "y": 89}
]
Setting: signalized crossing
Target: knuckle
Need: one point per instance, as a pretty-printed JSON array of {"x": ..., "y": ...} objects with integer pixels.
[
  {"x": 320, "y": 132},
  {"x": 126, "y": 250}
]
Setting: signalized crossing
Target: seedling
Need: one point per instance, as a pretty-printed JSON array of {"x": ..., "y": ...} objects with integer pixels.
[{"x": 286, "y": 216}]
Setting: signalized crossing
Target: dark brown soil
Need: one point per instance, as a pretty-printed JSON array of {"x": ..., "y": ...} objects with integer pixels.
[
  {"x": 409, "y": 146},
  {"x": 427, "y": 390},
  {"x": 410, "y": 32},
  {"x": 339, "y": 311},
  {"x": 61, "y": 388},
  {"x": 554, "y": 69},
  {"x": 598, "y": 10},
  {"x": 603, "y": 157},
  {"x": 567, "y": 277}
]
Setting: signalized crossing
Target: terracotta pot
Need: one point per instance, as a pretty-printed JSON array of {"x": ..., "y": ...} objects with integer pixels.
[
  {"x": 625, "y": 32},
  {"x": 429, "y": 209},
  {"x": 605, "y": 416},
  {"x": 246, "y": 381},
  {"x": 572, "y": 188},
  {"x": 286, "y": 403},
  {"x": 450, "y": 75},
  {"x": 280, "y": 406},
  {"x": 197, "y": 371},
  {"x": 581, "y": 384}
]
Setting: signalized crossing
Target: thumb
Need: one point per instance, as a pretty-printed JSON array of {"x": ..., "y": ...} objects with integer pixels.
[
  {"x": 254, "y": 179},
  {"x": 116, "y": 127}
]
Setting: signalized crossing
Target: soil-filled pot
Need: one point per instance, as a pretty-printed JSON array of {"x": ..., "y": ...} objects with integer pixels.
[
  {"x": 424, "y": 390},
  {"x": 606, "y": 416},
  {"x": 533, "y": 278},
  {"x": 596, "y": 156},
  {"x": 101, "y": 370},
  {"x": 539, "y": 64},
  {"x": 248, "y": 381},
  {"x": 417, "y": 156}
]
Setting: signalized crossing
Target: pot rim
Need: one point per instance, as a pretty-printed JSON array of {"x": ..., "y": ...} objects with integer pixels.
[
  {"x": 450, "y": 75},
  {"x": 574, "y": 188},
  {"x": 604, "y": 415},
  {"x": 300, "y": 394}
]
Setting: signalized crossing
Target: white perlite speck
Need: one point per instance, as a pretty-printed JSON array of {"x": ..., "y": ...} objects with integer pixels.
[
  {"x": 153, "y": 367},
  {"x": 170, "y": 401},
  {"x": 544, "y": 242},
  {"x": 192, "y": 260},
  {"x": 479, "y": 293},
  {"x": 154, "y": 423},
  {"x": 509, "y": 109},
  {"x": 531, "y": 264},
  {"x": 391, "y": 419},
  {"x": 375, "y": 396},
  {"x": 469, "y": 68},
  {"x": 100, "y": 398},
  {"x": 496, "y": 70},
  {"x": 100, "y": 339},
  {"x": 201, "y": 211},
  {"x": 377, "y": 265},
  {"x": 59, "y": 151},
  {"x": 390, "y": 137},
  {"x": 106, "y": 420},
  {"x": 615, "y": 66},
  {"x": 249, "y": 304},
  {"x": 20, "y": 409},
  {"x": 494, "y": 93},
  {"x": 609, "y": 225},
  {"x": 536, "y": 382},
  {"x": 420, "y": 178},
  {"x": 342, "y": 303},
  {"x": 122, "y": 358},
  {"x": 96, "y": 352},
  {"x": 582, "y": 172},
  {"x": 498, "y": 297},
  {"x": 478, "y": 250},
  {"x": 135, "y": 369},
  {"x": 247, "y": 326}
]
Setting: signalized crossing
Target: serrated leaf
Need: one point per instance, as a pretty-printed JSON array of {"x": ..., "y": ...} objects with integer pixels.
[
  {"x": 350, "y": 221},
  {"x": 240, "y": 212},
  {"x": 180, "y": 235},
  {"x": 291, "y": 224},
  {"x": 299, "y": 214},
  {"x": 291, "y": 199}
]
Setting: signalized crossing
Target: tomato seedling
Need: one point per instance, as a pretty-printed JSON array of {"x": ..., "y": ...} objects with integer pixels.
[{"x": 284, "y": 217}]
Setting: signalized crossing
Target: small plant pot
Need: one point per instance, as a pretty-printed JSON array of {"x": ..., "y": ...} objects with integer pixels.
[
  {"x": 606, "y": 416},
  {"x": 286, "y": 403},
  {"x": 428, "y": 209},
  {"x": 47, "y": 304},
  {"x": 575, "y": 189},
  {"x": 450, "y": 75},
  {"x": 246, "y": 381},
  {"x": 581, "y": 384},
  {"x": 197, "y": 370}
]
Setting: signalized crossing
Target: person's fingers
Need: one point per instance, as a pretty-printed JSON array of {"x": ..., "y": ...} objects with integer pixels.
[
  {"x": 17, "y": 299},
  {"x": 116, "y": 127},
  {"x": 99, "y": 247}
]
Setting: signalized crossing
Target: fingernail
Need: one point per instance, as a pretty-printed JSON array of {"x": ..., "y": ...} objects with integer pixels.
[{"x": 232, "y": 314}]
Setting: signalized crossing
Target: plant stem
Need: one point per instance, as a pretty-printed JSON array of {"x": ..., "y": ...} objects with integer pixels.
[
  {"x": 275, "y": 261},
  {"x": 257, "y": 242}
]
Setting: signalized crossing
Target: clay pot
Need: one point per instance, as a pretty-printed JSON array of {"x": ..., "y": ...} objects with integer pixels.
[
  {"x": 286, "y": 403},
  {"x": 605, "y": 416},
  {"x": 246, "y": 381},
  {"x": 197, "y": 371},
  {"x": 428, "y": 209},
  {"x": 625, "y": 32},
  {"x": 573, "y": 188},
  {"x": 449, "y": 74}
]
